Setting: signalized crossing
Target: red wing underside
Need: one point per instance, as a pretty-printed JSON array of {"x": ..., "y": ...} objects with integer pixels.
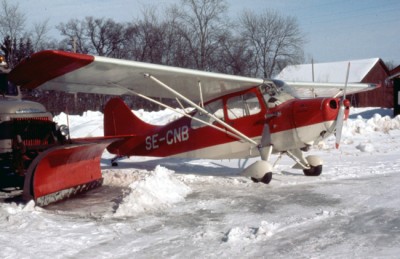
[{"x": 46, "y": 65}]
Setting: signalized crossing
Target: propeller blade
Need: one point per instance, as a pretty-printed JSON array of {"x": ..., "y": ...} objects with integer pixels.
[
  {"x": 339, "y": 125},
  {"x": 340, "y": 117}
]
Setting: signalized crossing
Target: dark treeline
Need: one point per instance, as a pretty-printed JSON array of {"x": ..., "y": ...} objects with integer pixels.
[{"x": 195, "y": 34}]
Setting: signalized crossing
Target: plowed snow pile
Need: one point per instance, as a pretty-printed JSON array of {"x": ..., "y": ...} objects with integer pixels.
[{"x": 147, "y": 190}]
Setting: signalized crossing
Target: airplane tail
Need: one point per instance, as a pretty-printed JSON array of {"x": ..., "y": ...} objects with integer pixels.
[{"x": 120, "y": 121}]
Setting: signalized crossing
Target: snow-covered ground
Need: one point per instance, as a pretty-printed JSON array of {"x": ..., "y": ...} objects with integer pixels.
[{"x": 157, "y": 208}]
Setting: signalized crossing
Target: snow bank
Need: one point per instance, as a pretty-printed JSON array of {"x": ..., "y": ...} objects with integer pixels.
[
  {"x": 376, "y": 123},
  {"x": 158, "y": 117},
  {"x": 151, "y": 191},
  {"x": 240, "y": 234},
  {"x": 13, "y": 208},
  {"x": 90, "y": 124}
]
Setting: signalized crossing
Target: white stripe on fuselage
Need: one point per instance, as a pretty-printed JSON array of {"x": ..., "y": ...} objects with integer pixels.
[{"x": 282, "y": 141}]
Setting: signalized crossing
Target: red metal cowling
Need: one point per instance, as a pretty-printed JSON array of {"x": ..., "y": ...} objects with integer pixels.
[{"x": 330, "y": 108}]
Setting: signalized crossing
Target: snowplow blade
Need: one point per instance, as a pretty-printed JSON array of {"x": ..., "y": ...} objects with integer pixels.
[{"x": 63, "y": 171}]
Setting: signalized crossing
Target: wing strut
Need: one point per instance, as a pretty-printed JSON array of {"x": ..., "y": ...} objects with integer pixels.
[
  {"x": 176, "y": 94},
  {"x": 177, "y": 111},
  {"x": 201, "y": 95}
]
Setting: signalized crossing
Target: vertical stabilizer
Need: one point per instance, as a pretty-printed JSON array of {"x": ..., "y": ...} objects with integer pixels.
[{"x": 119, "y": 120}]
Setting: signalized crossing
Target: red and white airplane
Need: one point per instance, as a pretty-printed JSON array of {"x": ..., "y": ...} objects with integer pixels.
[{"x": 232, "y": 116}]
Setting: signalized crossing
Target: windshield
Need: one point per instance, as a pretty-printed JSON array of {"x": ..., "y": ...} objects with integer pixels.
[
  {"x": 6, "y": 87},
  {"x": 276, "y": 93},
  {"x": 283, "y": 86}
]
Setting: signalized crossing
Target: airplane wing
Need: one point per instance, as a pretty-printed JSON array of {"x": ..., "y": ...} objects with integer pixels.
[
  {"x": 71, "y": 72},
  {"x": 314, "y": 89}
]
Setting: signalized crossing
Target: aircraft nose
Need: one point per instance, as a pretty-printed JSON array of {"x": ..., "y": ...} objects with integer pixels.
[{"x": 330, "y": 108}]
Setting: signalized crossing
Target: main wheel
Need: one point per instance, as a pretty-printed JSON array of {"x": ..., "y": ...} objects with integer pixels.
[
  {"x": 313, "y": 171},
  {"x": 255, "y": 180},
  {"x": 266, "y": 178}
]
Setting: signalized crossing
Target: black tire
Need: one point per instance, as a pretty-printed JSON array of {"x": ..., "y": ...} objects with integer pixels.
[
  {"x": 313, "y": 171},
  {"x": 266, "y": 178}
]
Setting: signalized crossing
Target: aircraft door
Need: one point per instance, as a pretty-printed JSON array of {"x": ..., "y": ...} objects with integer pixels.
[{"x": 242, "y": 106}]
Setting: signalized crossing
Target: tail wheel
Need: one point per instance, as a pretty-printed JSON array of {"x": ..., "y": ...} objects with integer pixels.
[{"x": 313, "y": 171}]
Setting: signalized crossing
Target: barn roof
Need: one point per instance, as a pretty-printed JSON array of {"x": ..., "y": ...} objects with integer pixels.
[
  {"x": 395, "y": 73},
  {"x": 331, "y": 72}
]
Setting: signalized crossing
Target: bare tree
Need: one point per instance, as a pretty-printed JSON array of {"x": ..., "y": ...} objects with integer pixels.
[
  {"x": 105, "y": 36},
  {"x": 276, "y": 41},
  {"x": 39, "y": 35},
  {"x": 202, "y": 25},
  {"x": 12, "y": 21},
  {"x": 235, "y": 57},
  {"x": 148, "y": 38},
  {"x": 75, "y": 36}
]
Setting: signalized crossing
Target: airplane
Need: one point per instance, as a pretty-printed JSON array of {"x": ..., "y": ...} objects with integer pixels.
[{"x": 230, "y": 116}]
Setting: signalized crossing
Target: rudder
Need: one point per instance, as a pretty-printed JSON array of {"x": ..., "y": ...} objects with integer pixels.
[{"x": 119, "y": 120}]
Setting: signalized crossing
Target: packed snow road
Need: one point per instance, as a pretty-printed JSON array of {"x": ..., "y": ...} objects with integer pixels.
[
  {"x": 212, "y": 216},
  {"x": 203, "y": 209}
]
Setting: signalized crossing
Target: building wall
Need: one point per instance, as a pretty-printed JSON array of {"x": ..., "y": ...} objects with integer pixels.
[
  {"x": 396, "y": 100},
  {"x": 381, "y": 97}
]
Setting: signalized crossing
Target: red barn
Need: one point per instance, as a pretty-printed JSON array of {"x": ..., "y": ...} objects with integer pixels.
[{"x": 361, "y": 71}]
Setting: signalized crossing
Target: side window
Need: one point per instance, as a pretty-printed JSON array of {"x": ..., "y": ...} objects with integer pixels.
[
  {"x": 243, "y": 105},
  {"x": 216, "y": 108}
]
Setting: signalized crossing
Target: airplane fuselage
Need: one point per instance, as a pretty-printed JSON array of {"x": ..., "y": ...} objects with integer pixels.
[{"x": 291, "y": 123}]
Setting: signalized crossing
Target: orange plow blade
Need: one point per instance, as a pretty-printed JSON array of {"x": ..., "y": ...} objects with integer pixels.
[{"x": 64, "y": 171}]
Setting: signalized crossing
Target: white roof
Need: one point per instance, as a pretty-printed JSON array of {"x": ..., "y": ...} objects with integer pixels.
[{"x": 332, "y": 72}]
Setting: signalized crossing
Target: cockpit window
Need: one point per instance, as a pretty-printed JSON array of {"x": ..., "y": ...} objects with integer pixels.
[
  {"x": 275, "y": 93},
  {"x": 243, "y": 105},
  {"x": 216, "y": 108},
  {"x": 283, "y": 86},
  {"x": 6, "y": 87}
]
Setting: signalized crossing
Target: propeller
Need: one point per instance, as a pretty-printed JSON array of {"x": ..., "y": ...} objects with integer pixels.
[{"x": 340, "y": 117}]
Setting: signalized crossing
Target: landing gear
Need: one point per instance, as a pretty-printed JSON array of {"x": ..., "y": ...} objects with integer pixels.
[
  {"x": 313, "y": 171},
  {"x": 311, "y": 165},
  {"x": 257, "y": 170},
  {"x": 114, "y": 162},
  {"x": 265, "y": 179}
]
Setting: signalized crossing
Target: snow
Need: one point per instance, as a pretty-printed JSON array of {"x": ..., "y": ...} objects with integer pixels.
[
  {"x": 333, "y": 72},
  {"x": 154, "y": 191},
  {"x": 181, "y": 208}
]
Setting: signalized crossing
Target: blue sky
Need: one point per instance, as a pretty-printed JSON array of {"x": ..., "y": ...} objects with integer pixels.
[{"x": 335, "y": 30}]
